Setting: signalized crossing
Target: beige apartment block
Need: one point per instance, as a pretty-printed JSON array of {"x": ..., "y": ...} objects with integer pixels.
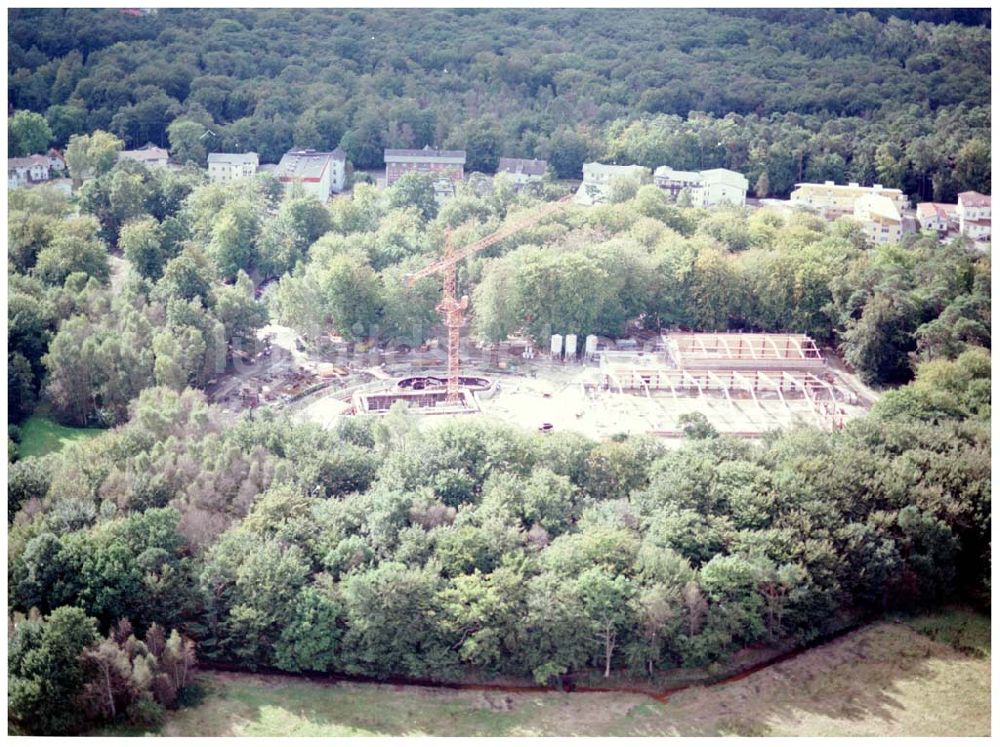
[
  {"x": 834, "y": 200},
  {"x": 880, "y": 217}
]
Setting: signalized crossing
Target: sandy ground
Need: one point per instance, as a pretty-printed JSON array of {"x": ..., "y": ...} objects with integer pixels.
[
  {"x": 568, "y": 405},
  {"x": 324, "y": 411},
  {"x": 566, "y": 398}
]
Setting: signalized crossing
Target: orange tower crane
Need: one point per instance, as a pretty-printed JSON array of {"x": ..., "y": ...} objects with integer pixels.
[{"x": 451, "y": 306}]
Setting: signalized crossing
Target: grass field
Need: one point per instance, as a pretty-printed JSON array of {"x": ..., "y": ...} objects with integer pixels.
[
  {"x": 888, "y": 679},
  {"x": 40, "y": 436}
]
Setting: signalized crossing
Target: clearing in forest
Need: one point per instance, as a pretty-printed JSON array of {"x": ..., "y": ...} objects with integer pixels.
[{"x": 40, "y": 436}]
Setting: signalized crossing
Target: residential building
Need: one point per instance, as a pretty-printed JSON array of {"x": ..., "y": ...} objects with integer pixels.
[
  {"x": 56, "y": 161},
  {"x": 834, "y": 200},
  {"x": 723, "y": 186},
  {"x": 706, "y": 188},
  {"x": 974, "y": 215},
  {"x": 598, "y": 177},
  {"x": 674, "y": 181},
  {"x": 29, "y": 170},
  {"x": 522, "y": 171},
  {"x": 319, "y": 173},
  {"x": 450, "y": 163},
  {"x": 227, "y": 167},
  {"x": 937, "y": 216},
  {"x": 149, "y": 154},
  {"x": 338, "y": 174},
  {"x": 444, "y": 189},
  {"x": 880, "y": 217}
]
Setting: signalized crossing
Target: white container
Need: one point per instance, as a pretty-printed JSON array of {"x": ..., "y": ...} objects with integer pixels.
[
  {"x": 571, "y": 346},
  {"x": 591, "y": 345},
  {"x": 557, "y": 343}
]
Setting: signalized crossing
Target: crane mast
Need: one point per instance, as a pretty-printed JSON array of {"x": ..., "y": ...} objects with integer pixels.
[{"x": 451, "y": 307}]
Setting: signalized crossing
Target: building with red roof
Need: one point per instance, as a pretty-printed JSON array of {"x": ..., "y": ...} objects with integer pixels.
[{"x": 974, "y": 215}]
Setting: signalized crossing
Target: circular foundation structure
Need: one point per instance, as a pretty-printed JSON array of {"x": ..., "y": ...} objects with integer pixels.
[
  {"x": 426, "y": 394},
  {"x": 420, "y": 383}
]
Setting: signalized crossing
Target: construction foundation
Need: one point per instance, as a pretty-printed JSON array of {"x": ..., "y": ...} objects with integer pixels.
[
  {"x": 733, "y": 367},
  {"x": 424, "y": 401}
]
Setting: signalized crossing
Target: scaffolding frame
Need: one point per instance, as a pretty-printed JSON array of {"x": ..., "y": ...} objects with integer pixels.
[
  {"x": 727, "y": 350},
  {"x": 822, "y": 396}
]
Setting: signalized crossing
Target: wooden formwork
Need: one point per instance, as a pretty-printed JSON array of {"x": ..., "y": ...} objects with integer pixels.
[
  {"x": 767, "y": 352},
  {"x": 733, "y": 382},
  {"x": 425, "y": 401},
  {"x": 822, "y": 393}
]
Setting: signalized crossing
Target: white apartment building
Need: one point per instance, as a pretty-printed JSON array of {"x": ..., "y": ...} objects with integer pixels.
[
  {"x": 598, "y": 177},
  {"x": 227, "y": 167},
  {"x": 974, "y": 215},
  {"x": 707, "y": 188},
  {"x": 880, "y": 217},
  {"x": 319, "y": 174},
  {"x": 834, "y": 200}
]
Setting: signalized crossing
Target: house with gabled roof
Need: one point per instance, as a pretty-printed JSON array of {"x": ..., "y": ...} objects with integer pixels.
[
  {"x": 56, "y": 160},
  {"x": 28, "y": 170},
  {"x": 522, "y": 171},
  {"x": 598, "y": 177},
  {"x": 937, "y": 216},
  {"x": 149, "y": 154},
  {"x": 880, "y": 217},
  {"x": 834, "y": 200}
]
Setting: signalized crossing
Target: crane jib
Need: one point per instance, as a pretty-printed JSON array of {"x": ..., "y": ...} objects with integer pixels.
[{"x": 452, "y": 308}]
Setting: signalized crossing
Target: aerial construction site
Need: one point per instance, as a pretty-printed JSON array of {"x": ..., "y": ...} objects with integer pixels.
[
  {"x": 745, "y": 384},
  {"x": 763, "y": 383}
]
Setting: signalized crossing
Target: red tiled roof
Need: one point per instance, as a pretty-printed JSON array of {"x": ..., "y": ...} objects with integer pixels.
[
  {"x": 942, "y": 211},
  {"x": 973, "y": 199}
]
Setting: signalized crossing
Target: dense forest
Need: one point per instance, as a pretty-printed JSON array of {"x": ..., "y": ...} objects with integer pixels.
[
  {"x": 184, "y": 533},
  {"x": 899, "y": 97}
]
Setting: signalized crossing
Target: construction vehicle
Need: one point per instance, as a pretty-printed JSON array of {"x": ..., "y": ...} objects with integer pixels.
[{"x": 451, "y": 306}]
